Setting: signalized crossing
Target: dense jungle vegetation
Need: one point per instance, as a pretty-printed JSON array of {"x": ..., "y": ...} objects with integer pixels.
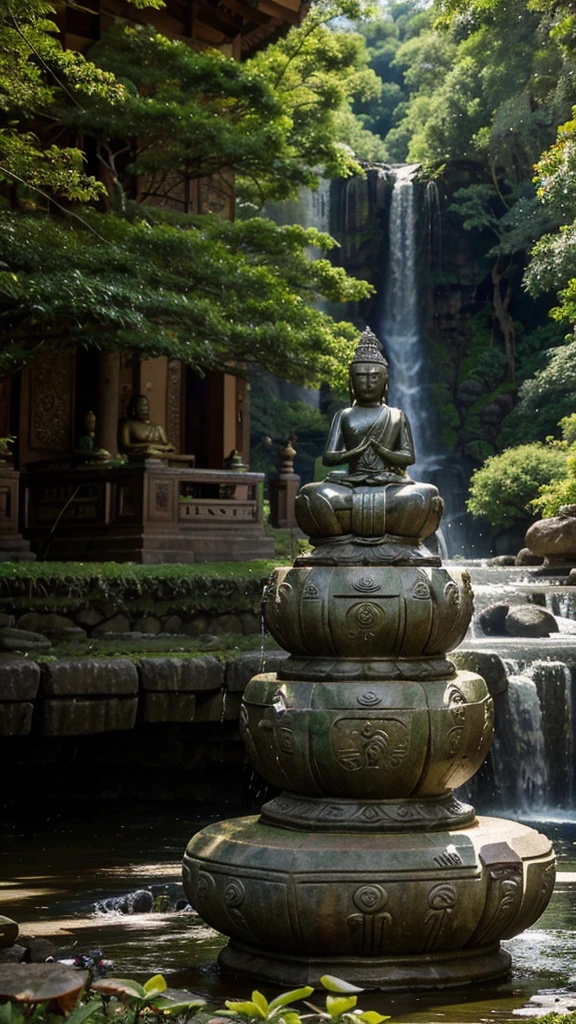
[
  {"x": 99, "y": 158},
  {"x": 482, "y": 94}
]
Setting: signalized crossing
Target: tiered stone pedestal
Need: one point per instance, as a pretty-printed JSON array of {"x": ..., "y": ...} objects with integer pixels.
[{"x": 367, "y": 867}]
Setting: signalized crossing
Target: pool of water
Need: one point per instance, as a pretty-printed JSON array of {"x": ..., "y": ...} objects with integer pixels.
[{"x": 55, "y": 869}]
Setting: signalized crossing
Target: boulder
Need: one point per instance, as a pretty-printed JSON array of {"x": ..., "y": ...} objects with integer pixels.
[
  {"x": 8, "y": 932},
  {"x": 529, "y": 620},
  {"x": 149, "y": 624},
  {"x": 527, "y": 557},
  {"x": 22, "y": 640},
  {"x": 493, "y": 618},
  {"x": 13, "y": 955},
  {"x": 39, "y": 621},
  {"x": 555, "y": 538},
  {"x": 117, "y": 624}
]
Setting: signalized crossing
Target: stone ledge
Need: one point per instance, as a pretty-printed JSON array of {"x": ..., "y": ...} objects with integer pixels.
[
  {"x": 15, "y": 718},
  {"x": 83, "y": 717},
  {"x": 169, "y": 707},
  {"x": 19, "y": 677},
  {"x": 90, "y": 676},
  {"x": 240, "y": 671},
  {"x": 181, "y": 674}
]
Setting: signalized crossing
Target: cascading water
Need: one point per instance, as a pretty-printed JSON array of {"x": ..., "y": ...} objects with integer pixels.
[
  {"x": 530, "y": 769},
  {"x": 400, "y": 326}
]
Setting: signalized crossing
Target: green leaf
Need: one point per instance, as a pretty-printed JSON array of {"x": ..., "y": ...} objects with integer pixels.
[
  {"x": 371, "y": 1017},
  {"x": 337, "y": 1005},
  {"x": 337, "y": 984},
  {"x": 155, "y": 984},
  {"x": 246, "y": 1009},
  {"x": 261, "y": 1002},
  {"x": 291, "y": 997},
  {"x": 174, "y": 1000},
  {"x": 119, "y": 987},
  {"x": 82, "y": 1013},
  {"x": 6, "y": 1013}
]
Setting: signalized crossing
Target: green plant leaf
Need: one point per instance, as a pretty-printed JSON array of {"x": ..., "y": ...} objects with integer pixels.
[
  {"x": 261, "y": 1002},
  {"x": 82, "y": 1013},
  {"x": 6, "y": 1013},
  {"x": 174, "y": 1000},
  {"x": 337, "y": 1005},
  {"x": 291, "y": 997},
  {"x": 338, "y": 985},
  {"x": 371, "y": 1017},
  {"x": 246, "y": 1009},
  {"x": 155, "y": 984},
  {"x": 119, "y": 987}
]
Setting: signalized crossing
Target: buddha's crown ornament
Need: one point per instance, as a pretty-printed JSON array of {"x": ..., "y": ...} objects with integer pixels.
[{"x": 368, "y": 349}]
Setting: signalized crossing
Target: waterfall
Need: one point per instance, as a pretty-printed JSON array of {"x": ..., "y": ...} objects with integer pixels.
[
  {"x": 400, "y": 327},
  {"x": 530, "y": 769}
]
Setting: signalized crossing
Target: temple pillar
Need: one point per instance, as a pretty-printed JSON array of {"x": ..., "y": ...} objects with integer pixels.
[{"x": 108, "y": 401}]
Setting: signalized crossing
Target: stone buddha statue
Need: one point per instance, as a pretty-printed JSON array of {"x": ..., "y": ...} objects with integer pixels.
[
  {"x": 138, "y": 436},
  {"x": 374, "y": 500}
]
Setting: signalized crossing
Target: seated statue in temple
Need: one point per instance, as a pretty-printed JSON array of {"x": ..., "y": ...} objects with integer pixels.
[
  {"x": 374, "y": 497},
  {"x": 138, "y": 436}
]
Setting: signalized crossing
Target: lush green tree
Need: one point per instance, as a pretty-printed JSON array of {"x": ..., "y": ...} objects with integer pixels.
[
  {"x": 100, "y": 258},
  {"x": 505, "y": 486}
]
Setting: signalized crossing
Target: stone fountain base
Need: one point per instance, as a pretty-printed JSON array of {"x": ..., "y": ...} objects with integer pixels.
[
  {"x": 390, "y": 911},
  {"x": 390, "y": 974}
]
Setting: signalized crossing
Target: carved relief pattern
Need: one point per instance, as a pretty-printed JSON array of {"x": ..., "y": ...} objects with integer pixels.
[
  {"x": 380, "y": 743},
  {"x": 366, "y": 584},
  {"x": 364, "y": 620},
  {"x": 369, "y": 928},
  {"x": 233, "y": 897},
  {"x": 174, "y": 403},
  {"x": 50, "y": 402},
  {"x": 442, "y": 899},
  {"x": 368, "y": 815}
]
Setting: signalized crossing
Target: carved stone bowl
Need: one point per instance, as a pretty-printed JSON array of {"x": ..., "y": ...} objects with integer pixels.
[
  {"x": 378, "y": 741},
  {"x": 374, "y": 612},
  {"x": 329, "y": 901}
]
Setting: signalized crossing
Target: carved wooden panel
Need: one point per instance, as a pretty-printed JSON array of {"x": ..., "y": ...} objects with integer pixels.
[
  {"x": 174, "y": 403},
  {"x": 51, "y": 384}
]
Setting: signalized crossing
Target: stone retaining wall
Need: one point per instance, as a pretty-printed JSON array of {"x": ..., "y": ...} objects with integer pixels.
[{"x": 84, "y": 696}]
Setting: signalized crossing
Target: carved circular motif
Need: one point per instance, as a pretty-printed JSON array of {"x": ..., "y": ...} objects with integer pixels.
[
  {"x": 234, "y": 894},
  {"x": 370, "y": 898},
  {"x": 442, "y": 897},
  {"x": 369, "y": 699},
  {"x": 366, "y": 584},
  {"x": 203, "y": 886},
  {"x": 310, "y": 590},
  {"x": 367, "y": 616}
]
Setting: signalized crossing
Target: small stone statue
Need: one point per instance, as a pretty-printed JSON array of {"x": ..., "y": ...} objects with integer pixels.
[
  {"x": 138, "y": 436},
  {"x": 234, "y": 462},
  {"x": 375, "y": 498},
  {"x": 86, "y": 446},
  {"x": 86, "y": 441}
]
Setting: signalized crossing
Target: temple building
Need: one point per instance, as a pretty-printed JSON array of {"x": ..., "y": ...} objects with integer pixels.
[{"x": 152, "y": 510}]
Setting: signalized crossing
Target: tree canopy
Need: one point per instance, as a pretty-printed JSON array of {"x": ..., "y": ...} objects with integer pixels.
[{"x": 99, "y": 158}]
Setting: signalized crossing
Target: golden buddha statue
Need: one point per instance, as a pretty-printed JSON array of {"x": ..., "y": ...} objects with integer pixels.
[
  {"x": 137, "y": 436},
  {"x": 375, "y": 498}
]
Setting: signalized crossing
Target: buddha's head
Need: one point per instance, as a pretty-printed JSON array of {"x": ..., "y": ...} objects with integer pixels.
[
  {"x": 138, "y": 408},
  {"x": 368, "y": 371},
  {"x": 90, "y": 423}
]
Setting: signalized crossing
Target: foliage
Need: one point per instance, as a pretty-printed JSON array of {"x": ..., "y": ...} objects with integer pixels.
[
  {"x": 560, "y": 491},
  {"x": 505, "y": 486},
  {"x": 128, "y": 1002},
  {"x": 273, "y": 421},
  {"x": 102, "y": 259},
  {"x": 218, "y": 587}
]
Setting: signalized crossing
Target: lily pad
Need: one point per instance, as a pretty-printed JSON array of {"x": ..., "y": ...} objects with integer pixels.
[{"x": 40, "y": 983}]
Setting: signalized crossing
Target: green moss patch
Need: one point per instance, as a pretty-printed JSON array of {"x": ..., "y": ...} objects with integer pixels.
[{"x": 65, "y": 587}]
